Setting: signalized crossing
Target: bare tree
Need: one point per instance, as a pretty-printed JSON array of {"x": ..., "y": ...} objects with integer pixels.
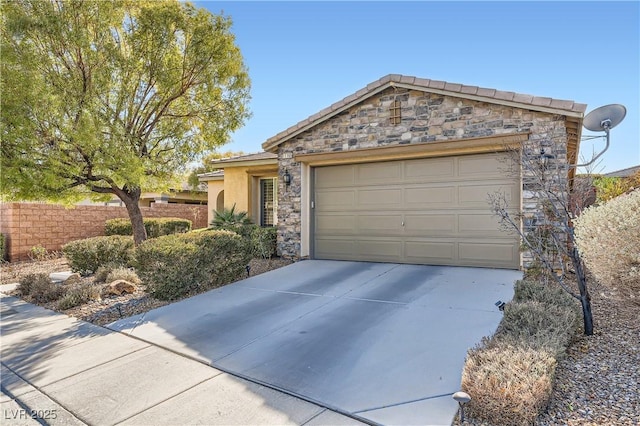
[{"x": 553, "y": 197}]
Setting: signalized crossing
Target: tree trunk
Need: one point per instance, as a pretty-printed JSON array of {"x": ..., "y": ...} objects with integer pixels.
[
  {"x": 585, "y": 298},
  {"x": 131, "y": 198}
]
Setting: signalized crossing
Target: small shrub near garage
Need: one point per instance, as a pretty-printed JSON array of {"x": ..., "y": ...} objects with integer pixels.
[
  {"x": 510, "y": 375},
  {"x": 86, "y": 256},
  {"x": 509, "y": 385},
  {"x": 40, "y": 289},
  {"x": 155, "y": 227},
  {"x": 123, "y": 273},
  {"x": 263, "y": 241},
  {"x": 178, "y": 265},
  {"x": 79, "y": 295}
]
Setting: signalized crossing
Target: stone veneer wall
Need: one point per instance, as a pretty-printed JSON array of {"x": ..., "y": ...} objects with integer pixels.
[
  {"x": 426, "y": 117},
  {"x": 26, "y": 225}
]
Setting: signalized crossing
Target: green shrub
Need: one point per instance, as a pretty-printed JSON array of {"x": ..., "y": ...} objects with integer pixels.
[
  {"x": 79, "y": 295},
  {"x": 86, "y": 256},
  {"x": 155, "y": 227},
  {"x": 177, "y": 265},
  {"x": 509, "y": 385},
  {"x": 38, "y": 253},
  {"x": 263, "y": 241},
  {"x": 40, "y": 288},
  {"x": 547, "y": 293},
  {"x": 538, "y": 325},
  {"x": 122, "y": 273}
]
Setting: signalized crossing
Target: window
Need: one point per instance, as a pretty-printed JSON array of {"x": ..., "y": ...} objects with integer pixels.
[
  {"x": 395, "y": 115},
  {"x": 268, "y": 202}
]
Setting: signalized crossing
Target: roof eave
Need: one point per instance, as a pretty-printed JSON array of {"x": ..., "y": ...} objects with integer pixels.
[{"x": 271, "y": 144}]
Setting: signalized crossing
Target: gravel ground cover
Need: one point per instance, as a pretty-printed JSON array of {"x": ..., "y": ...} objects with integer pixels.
[{"x": 598, "y": 382}]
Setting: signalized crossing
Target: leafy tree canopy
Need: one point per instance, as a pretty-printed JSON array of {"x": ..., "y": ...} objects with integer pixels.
[{"x": 113, "y": 97}]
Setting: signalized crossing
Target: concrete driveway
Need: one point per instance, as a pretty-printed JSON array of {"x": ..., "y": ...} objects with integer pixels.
[{"x": 381, "y": 342}]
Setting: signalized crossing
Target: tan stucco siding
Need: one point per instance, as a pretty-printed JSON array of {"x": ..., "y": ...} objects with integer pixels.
[
  {"x": 237, "y": 188},
  {"x": 214, "y": 187}
]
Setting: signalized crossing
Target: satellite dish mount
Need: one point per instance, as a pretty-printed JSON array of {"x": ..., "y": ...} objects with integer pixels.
[{"x": 604, "y": 119}]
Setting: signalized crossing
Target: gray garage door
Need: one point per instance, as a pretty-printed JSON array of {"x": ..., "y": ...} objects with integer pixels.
[{"x": 424, "y": 211}]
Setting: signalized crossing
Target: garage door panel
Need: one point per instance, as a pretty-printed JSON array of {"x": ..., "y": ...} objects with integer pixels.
[
  {"x": 430, "y": 224},
  {"x": 429, "y": 211},
  {"x": 332, "y": 248},
  {"x": 473, "y": 166},
  {"x": 379, "y": 224},
  {"x": 338, "y": 199},
  {"x": 429, "y": 169},
  {"x": 478, "y": 193},
  {"x": 335, "y": 177},
  {"x": 432, "y": 251},
  {"x": 484, "y": 252},
  {"x": 389, "y": 172},
  {"x": 379, "y": 198},
  {"x": 376, "y": 249},
  {"x": 341, "y": 224},
  {"x": 429, "y": 196}
]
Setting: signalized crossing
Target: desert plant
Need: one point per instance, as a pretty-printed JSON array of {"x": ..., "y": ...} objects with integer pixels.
[
  {"x": 79, "y": 295},
  {"x": 177, "y": 265},
  {"x": 608, "y": 188},
  {"x": 40, "y": 288},
  {"x": 86, "y": 256},
  {"x": 155, "y": 227},
  {"x": 122, "y": 273},
  {"x": 608, "y": 237},
  {"x": 538, "y": 326},
  {"x": 230, "y": 220},
  {"x": 509, "y": 385},
  {"x": 38, "y": 253}
]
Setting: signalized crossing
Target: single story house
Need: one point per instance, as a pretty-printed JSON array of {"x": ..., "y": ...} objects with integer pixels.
[{"x": 400, "y": 171}]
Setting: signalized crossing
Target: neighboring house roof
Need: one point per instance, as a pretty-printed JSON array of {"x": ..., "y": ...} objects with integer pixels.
[
  {"x": 629, "y": 171},
  {"x": 214, "y": 175},
  {"x": 257, "y": 159},
  {"x": 535, "y": 103},
  {"x": 247, "y": 157}
]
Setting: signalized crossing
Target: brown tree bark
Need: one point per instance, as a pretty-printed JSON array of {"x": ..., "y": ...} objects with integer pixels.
[{"x": 131, "y": 199}]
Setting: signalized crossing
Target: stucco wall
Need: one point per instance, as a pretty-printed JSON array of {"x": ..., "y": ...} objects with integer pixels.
[
  {"x": 214, "y": 188},
  {"x": 26, "y": 225},
  {"x": 426, "y": 118}
]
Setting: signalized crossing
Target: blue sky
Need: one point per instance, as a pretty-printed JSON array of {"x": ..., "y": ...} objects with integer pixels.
[{"x": 304, "y": 56}]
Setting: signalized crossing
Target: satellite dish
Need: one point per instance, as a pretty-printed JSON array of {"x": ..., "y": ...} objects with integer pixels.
[{"x": 605, "y": 118}]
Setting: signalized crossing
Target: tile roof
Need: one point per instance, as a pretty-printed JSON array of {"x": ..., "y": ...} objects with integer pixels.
[
  {"x": 213, "y": 174},
  {"x": 535, "y": 103},
  {"x": 247, "y": 157},
  {"x": 629, "y": 171}
]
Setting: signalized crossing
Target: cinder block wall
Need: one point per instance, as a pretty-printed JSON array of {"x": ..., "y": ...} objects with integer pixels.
[{"x": 26, "y": 225}]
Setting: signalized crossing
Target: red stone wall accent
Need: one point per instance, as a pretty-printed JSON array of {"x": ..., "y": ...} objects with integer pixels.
[{"x": 26, "y": 225}]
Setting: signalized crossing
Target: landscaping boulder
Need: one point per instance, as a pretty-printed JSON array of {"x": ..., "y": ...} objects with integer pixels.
[
  {"x": 72, "y": 279},
  {"x": 120, "y": 287}
]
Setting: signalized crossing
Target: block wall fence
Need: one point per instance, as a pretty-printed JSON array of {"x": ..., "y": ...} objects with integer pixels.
[{"x": 26, "y": 225}]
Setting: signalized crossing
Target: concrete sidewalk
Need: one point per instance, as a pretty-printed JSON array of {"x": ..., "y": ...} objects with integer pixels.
[{"x": 62, "y": 371}]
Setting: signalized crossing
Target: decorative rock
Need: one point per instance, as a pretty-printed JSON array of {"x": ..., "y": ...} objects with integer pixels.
[
  {"x": 73, "y": 279},
  {"x": 120, "y": 287}
]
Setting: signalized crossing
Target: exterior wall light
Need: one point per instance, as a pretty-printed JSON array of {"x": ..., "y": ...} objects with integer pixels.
[
  {"x": 286, "y": 177},
  {"x": 545, "y": 159}
]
